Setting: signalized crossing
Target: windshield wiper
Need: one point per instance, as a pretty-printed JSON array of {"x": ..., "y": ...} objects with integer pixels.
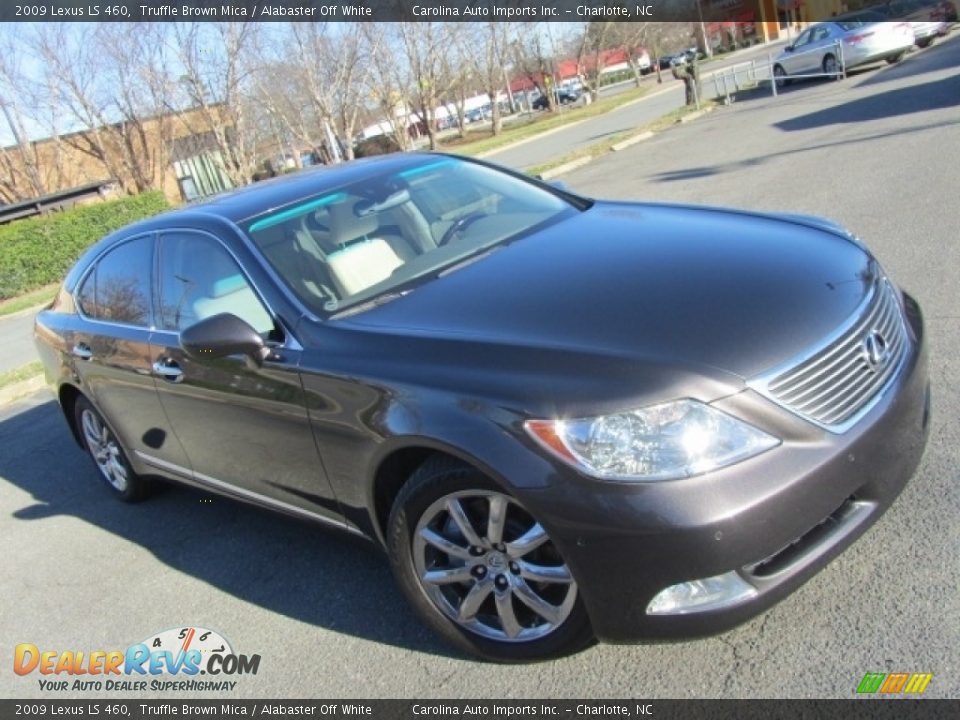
[
  {"x": 469, "y": 260},
  {"x": 373, "y": 302}
]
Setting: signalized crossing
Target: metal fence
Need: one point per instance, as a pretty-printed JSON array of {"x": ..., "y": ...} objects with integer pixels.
[{"x": 724, "y": 84}]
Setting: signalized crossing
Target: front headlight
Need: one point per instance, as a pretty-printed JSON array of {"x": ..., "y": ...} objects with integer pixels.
[{"x": 661, "y": 442}]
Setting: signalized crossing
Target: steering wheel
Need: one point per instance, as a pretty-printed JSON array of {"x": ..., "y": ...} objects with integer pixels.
[{"x": 460, "y": 225}]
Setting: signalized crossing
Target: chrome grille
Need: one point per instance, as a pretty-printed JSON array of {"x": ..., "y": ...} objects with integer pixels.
[{"x": 838, "y": 382}]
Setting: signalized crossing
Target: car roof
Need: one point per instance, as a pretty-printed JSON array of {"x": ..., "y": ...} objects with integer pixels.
[{"x": 243, "y": 203}]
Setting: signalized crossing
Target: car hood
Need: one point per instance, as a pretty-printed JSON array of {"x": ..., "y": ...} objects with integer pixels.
[{"x": 671, "y": 285}]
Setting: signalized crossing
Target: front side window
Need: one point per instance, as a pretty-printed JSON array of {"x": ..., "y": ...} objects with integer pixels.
[
  {"x": 382, "y": 234},
  {"x": 118, "y": 288},
  {"x": 803, "y": 39},
  {"x": 199, "y": 279}
]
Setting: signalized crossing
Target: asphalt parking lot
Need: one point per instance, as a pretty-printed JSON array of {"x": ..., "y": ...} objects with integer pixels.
[{"x": 879, "y": 151}]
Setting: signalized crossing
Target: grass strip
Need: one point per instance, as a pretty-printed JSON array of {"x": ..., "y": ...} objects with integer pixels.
[
  {"x": 24, "y": 372},
  {"x": 605, "y": 145},
  {"x": 32, "y": 299}
]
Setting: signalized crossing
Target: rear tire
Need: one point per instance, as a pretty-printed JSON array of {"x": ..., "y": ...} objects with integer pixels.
[
  {"x": 830, "y": 67},
  {"x": 780, "y": 76},
  {"x": 477, "y": 582},
  {"x": 108, "y": 456},
  {"x": 926, "y": 42}
]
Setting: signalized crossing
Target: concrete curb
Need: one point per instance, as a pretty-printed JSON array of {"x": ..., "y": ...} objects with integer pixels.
[
  {"x": 566, "y": 167},
  {"x": 25, "y": 387},
  {"x": 696, "y": 114},
  {"x": 624, "y": 144}
]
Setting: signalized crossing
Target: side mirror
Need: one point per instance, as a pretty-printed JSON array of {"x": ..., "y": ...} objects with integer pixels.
[
  {"x": 222, "y": 335},
  {"x": 789, "y": 48}
]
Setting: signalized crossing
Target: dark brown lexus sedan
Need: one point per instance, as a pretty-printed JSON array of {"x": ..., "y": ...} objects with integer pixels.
[{"x": 564, "y": 419}]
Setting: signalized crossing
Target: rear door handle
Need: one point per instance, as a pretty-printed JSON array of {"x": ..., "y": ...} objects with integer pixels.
[
  {"x": 82, "y": 351},
  {"x": 168, "y": 370}
]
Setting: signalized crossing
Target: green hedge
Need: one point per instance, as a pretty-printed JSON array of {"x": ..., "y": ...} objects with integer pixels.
[{"x": 38, "y": 251}]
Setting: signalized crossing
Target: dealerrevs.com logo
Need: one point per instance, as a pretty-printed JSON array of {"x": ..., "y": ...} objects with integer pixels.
[{"x": 172, "y": 660}]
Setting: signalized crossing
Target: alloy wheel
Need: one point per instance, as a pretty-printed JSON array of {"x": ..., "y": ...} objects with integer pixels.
[
  {"x": 489, "y": 566},
  {"x": 779, "y": 76},
  {"x": 105, "y": 450},
  {"x": 830, "y": 65}
]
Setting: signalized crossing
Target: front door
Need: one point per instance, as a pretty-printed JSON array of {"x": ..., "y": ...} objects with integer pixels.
[{"x": 245, "y": 428}]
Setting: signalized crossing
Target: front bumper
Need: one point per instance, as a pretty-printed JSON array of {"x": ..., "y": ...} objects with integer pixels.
[{"x": 775, "y": 519}]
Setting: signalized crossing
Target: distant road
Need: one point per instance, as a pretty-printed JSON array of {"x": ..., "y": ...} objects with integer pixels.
[
  {"x": 663, "y": 100},
  {"x": 16, "y": 341}
]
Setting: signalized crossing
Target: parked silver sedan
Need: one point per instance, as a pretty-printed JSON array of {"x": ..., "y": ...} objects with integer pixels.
[{"x": 843, "y": 42}]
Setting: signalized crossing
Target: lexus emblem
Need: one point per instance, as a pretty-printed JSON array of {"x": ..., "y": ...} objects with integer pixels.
[{"x": 876, "y": 352}]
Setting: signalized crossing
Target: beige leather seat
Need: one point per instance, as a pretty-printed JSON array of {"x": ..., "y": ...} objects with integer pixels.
[
  {"x": 346, "y": 226},
  {"x": 363, "y": 258}
]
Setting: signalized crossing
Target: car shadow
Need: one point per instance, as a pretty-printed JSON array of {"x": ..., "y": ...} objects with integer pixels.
[
  {"x": 916, "y": 98},
  {"x": 600, "y": 136},
  {"x": 288, "y": 567},
  {"x": 940, "y": 56},
  {"x": 746, "y": 163},
  {"x": 763, "y": 91}
]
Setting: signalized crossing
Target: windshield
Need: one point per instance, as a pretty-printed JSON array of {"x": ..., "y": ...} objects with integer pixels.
[{"x": 389, "y": 231}]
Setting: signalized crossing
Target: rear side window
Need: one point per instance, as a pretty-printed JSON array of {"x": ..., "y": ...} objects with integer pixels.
[{"x": 118, "y": 288}]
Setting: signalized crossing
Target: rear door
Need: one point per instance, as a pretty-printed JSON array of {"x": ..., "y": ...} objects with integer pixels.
[
  {"x": 111, "y": 351},
  {"x": 245, "y": 428}
]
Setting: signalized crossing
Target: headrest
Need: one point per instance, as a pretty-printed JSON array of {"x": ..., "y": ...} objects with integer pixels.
[{"x": 346, "y": 226}]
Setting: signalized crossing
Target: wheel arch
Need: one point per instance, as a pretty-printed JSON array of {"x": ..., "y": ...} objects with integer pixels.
[
  {"x": 67, "y": 395},
  {"x": 396, "y": 464}
]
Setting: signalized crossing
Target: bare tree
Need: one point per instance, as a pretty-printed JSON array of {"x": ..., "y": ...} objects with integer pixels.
[
  {"x": 108, "y": 86},
  {"x": 534, "y": 60},
  {"x": 333, "y": 62},
  {"x": 459, "y": 72},
  {"x": 20, "y": 176},
  {"x": 217, "y": 67},
  {"x": 493, "y": 40},
  {"x": 387, "y": 82},
  {"x": 424, "y": 44},
  {"x": 591, "y": 55},
  {"x": 632, "y": 38}
]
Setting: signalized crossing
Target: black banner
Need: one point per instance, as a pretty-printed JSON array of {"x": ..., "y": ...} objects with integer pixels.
[
  {"x": 384, "y": 10},
  {"x": 902, "y": 709}
]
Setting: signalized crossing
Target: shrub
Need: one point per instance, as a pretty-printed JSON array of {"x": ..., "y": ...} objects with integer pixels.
[{"x": 38, "y": 251}]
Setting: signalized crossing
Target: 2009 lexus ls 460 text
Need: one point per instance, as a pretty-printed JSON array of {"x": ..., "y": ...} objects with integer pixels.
[{"x": 564, "y": 419}]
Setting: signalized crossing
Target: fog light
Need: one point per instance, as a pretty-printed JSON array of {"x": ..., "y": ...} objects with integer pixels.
[{"x": 699, "y": 595}]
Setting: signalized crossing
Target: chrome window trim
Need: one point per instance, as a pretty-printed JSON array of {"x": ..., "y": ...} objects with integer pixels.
[
  {"x": 212, "y": 482},
  {"x": 761, "y": 383}
]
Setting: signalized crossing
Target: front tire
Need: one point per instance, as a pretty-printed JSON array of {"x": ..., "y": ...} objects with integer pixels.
[
  {"x": 107, "y": 454},
  {"x": 480, "y": 570},
  {"x": 894, "y": 59}
]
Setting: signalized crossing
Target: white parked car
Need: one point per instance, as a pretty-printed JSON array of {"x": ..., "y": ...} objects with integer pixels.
[{"x": 843, "y": 42}]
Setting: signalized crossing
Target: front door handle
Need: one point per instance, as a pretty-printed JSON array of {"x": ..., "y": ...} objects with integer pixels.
[
  {"x": 168, "y": 370},
  {"x": 82, "y": 351}
]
